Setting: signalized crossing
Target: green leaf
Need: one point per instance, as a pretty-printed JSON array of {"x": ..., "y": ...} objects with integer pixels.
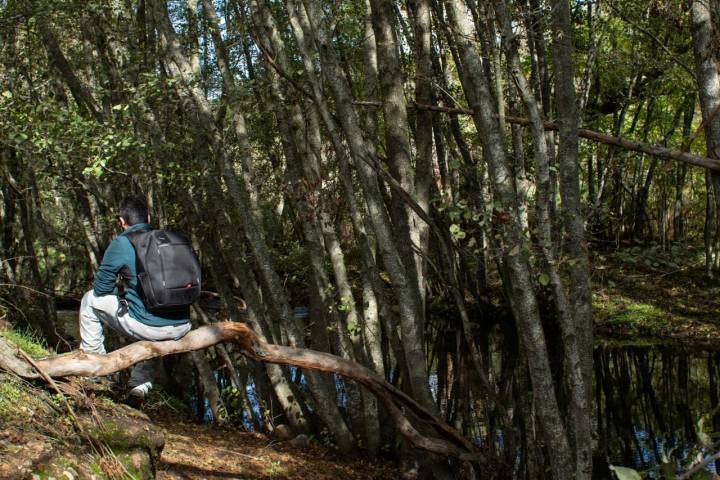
[
  {"x": 7, "y": 94},
  {"x": 457, "y": 232},
  {"x": 544, "y": 279},
  {"x": 624, "y": 473}
]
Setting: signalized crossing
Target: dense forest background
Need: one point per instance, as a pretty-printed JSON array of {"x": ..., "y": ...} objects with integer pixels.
[{"x": 412, "y": 185}]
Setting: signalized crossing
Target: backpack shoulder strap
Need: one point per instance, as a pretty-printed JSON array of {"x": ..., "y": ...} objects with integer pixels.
[
  {"x": 135, "y": 235},
  {"x": 134, "y": 238}
]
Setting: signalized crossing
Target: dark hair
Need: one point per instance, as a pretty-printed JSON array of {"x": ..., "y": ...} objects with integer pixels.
[{"x": 134, "y": 210}]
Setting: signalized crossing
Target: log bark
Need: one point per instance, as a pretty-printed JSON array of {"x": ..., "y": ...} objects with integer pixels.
[{"x": 400, "y": 406}]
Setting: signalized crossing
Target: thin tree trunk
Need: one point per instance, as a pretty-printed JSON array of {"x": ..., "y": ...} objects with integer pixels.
[
  {"x": 373, "y": 289},
  {"x": 397, "y": 146},
  {"x": 210, "y": 388},
  {"x": 423, "y": 133},
  {"x": 522, "y": 299},
  {"x": 294, "y": 132},
  {"x": 404, "y": 287},
  {"x": 580, "y": 293}
]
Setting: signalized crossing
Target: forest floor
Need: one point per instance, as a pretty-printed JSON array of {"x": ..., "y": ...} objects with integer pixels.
[
  {"x": 38, "y": 440},
  {"x": 87, "y": 434},
  {"x": 194, "y": 451},
  {"x": 647, "y": 291}
]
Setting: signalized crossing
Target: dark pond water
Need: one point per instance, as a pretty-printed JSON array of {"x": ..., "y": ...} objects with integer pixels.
[{"x": 655, "y": 403}]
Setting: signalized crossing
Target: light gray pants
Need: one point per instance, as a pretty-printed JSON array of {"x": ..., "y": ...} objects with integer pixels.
[{"x": 96, "y": 311}]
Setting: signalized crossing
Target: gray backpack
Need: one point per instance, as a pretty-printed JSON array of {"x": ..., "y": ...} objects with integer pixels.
[{"x": 169, "y": 272}]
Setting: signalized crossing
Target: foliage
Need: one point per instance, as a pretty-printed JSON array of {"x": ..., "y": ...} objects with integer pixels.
[{"x": 11, "y": 397}]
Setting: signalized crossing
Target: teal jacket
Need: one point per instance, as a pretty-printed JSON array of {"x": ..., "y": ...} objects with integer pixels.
[{"x": 120, "y": 259}]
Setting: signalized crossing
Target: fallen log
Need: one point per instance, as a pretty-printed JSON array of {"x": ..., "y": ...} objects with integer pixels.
[
  {"x": 663, "y": 153},
  {"x": 400, "y": 407}
]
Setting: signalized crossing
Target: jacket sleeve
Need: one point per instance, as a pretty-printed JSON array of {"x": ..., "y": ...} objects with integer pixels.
[{"x": 113, "y": 261}]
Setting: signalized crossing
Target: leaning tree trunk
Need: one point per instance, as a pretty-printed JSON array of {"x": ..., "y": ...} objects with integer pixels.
[
  {"x": 405, "y": 289},
  {"x": 294, "y": 132},
  {"x": 706, "y": 34}
]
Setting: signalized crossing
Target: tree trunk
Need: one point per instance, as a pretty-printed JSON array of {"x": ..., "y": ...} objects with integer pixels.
[
  {"x": 706, "y": 32},
  {"x": 404, "y": 287},
  {"x": 580, "y": 340},
  {"x": 522, "y": 299},
  {"x": 210, "y": 387}
]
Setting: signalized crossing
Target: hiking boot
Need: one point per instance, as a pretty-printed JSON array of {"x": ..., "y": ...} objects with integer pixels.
[{"x": 136, "y": 396}]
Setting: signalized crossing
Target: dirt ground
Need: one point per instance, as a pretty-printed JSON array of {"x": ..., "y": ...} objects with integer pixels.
[
  {"x": 195, "y": 451},
  {"x": 655, "y": 292}
]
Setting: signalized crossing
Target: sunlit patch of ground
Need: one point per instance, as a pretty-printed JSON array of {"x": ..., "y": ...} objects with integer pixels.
[
  {"x": 654, "y": 292},
  {"x": 195, "y": 451}
]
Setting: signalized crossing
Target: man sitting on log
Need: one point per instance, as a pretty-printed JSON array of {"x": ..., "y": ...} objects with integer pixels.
[{"x": 140, "y": 312}]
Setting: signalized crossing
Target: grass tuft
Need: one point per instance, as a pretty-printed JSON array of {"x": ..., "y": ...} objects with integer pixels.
[
  {"x": 11, "y": 395},
  {"x": 29, "y": 341}
]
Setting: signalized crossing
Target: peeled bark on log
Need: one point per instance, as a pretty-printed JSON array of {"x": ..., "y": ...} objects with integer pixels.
[{"x": 397, "y": 403}]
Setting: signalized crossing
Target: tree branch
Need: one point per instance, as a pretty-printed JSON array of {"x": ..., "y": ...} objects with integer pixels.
[
  {"x": 448, "y": 443},
  {"x": 635, "y": 146}
]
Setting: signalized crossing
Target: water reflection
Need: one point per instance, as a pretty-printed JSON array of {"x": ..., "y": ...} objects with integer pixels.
[{"x": 654, "y": 403}]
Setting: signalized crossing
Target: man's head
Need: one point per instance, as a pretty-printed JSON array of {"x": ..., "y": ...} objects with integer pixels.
[{"x": 133, "y": 210}]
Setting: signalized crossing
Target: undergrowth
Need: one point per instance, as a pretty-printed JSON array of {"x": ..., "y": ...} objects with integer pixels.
[
  {"x": 29, "y": 341},
  {"x": 17, "y": 398},
  {"x": 654, "y": 291}
]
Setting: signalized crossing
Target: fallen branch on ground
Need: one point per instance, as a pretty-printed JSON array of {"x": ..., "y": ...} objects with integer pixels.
[{"x": 398, "y": 404}]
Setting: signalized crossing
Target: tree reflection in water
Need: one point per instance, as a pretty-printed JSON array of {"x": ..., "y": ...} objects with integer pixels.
[{"x": 650, "y": 400}]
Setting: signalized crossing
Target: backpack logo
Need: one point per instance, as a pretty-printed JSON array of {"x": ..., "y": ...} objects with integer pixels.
[{"x": 169, "y": 272}]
